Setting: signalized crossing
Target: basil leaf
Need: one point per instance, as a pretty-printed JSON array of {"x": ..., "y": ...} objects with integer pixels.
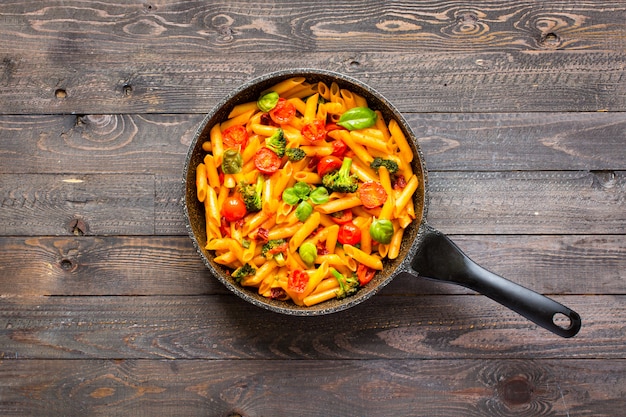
[
  {"x": 319, "y": 195},
  {"x": 231, "y": 161},
  {"x": 290, "y": 197},
  {"x": 357, "y": 118},
  {"x": 302, "y": 190},
  {"x": 303, "y": 211},
  {"x": 268, "y": 101},
  {"x": 308, "y": 253},
  {"x": 381, "y": 230}
]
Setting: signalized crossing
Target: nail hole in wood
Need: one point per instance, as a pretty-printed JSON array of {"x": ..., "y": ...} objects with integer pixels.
[
  {"x": 127, "y": 89},
  {"x": 60, "y": 93},
  {"x": 66, "y": 264}
]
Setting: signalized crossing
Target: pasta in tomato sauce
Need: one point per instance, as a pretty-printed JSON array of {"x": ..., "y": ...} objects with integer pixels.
[{"x": 282, "y": 182}]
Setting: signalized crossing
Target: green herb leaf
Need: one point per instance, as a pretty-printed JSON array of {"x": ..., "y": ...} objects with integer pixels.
[
  {"x": 381, "y": 230},
  {"x": 290, "y": 197},
  {"x": 303, "y": 211},
  {"x": 231, "y": 161},
  {"x": 308, "y": 253},
  {"x": 319, "y": 195},
  {"x": 302, "y": 190},
  {"x": 357, "y": 118}
]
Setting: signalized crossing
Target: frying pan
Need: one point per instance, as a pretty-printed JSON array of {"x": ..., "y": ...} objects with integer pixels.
[{"x": 424, "y": 252}]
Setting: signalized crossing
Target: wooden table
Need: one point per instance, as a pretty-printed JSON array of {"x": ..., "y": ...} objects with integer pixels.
[{"x": 106, "y": 309}]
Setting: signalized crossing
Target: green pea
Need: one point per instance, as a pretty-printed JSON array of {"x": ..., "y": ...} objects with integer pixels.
[
  {"x": 268, "y": 101},
  {"x": 308, "y": 253},
  {"x": 381, "y": 230}
]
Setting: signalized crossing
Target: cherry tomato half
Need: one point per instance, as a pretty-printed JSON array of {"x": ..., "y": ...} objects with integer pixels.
[
  {"x": 266, "y": 161},
  {"x": 283, "y": 112},
  {"x": 364, "y": 274},
  {"x": 233, "y": 208},
  {"x": 297, "y": 281},
  {"x": 339, "y": 148},
  {"x": 349, "y": 234},
  {"x": 372, "y": 194},
  {"x": 235, "y": 137},
  {"x": 328, "y": 164},
  {"x": 314, "y": 131},
  {"x": 342, "y": 217}
]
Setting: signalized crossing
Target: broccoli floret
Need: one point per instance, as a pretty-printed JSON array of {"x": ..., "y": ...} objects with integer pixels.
[
  {"x": 277, "y": 142},
  {"x": 295, "y": 154},
  {"x": 378, "y": 162},
  {"x": 347, "y": 285},
  {"x": 275, "y": 249},
  {"x": 251, "y": 194},
  {"x": 243, "y": 271},
  {"x": 341, "y": 180}
]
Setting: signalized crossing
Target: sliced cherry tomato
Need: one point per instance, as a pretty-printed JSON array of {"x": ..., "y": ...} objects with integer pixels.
[
  {"x": 233, "y": 208},
  {"x": 235, "y": 137},
  {"x": 339, "y": 148},
  {"x": 349, "y": 234},
  {"x": 283, "y": 112},
  {"x": 266, "y": 161},
  {"x": 328, "y": 164},
  {"x": 224, "y": 228},
  {"x": 333, "y": 126},
  {"x": 364, "y": 274},
  {"x": 297, "y": 281},
  {"x": 372, "y": 194},
  {"x": 341, "y": 217},
  {"x": 314, "y": 131}
]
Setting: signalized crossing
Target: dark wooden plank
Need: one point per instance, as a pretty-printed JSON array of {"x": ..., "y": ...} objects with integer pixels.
[
  {"x": 158, "y": 143},
  {"x": 226, "y": 327},
  {"x": 474, "y": 388},
  {"x": 76, "y": 204},
  {"x": 429, "y": 82},
  {"x": 195, "y": 27},
  {"x": 567, "y": 202},
  {"x": 161, "y": 265}
]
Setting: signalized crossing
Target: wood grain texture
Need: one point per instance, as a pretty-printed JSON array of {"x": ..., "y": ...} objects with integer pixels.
[
  {"x": 421, "y": 82},
  {"x": 226, "y": 327},
  {"x": 439, "y": 388},
  {"x": 158, "y": 143},
  {"x": 53, "y": 204},
  {"x": 162, "y": 265}
]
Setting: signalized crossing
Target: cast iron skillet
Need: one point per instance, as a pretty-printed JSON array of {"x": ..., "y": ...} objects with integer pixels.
[{"x": 425, "y": 251}]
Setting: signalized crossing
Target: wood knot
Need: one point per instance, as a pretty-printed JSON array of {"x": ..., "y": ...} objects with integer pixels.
[{"x": 515, "y": 391}]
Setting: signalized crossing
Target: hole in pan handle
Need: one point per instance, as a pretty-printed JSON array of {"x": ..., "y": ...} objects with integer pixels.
[{"x": 438, "y": 258}]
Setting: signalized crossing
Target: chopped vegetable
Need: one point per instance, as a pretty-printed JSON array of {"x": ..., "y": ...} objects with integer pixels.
[
  {"x": 339, "y": 148},
  {"x": 347, "y": 285},
  {"x": 252, "y": 194},
  {"x": 341, "y": 217},
  {"x": 243, "y": 271},
  {"x": 295, "y": 154},
  {"x": 277, "y": 142},
  {"x": 234, "y": 208},
  {"x": 341, "y": 181},
  {"x": 349, "y": 234},
  {"x": 266, "y": 161},
  {"x": 304, "y": 210},
  {"x": 314, "y": 131},
  {"x": 283, "y": 112},
  {"x": 231, "y": 161},
  {"x": 308, "y": 253},
  {"x": 381, "y": 230},
  {"x": 365, "y": 274},
  {"x": 267, "y": 101},
  {"x": 392, "y": 166},
  {"x": 372, "y": 194},
  {"x": 275, "y": 249},
  {"x": 235, "y": 137},
  {"x": 328, "y": 164},
  {"x": 297, "y": 281},
  {"x": 357, "y": 118}
]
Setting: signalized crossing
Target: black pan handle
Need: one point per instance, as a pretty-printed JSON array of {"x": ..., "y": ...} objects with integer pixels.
[{"x": 440, "y": 259}]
